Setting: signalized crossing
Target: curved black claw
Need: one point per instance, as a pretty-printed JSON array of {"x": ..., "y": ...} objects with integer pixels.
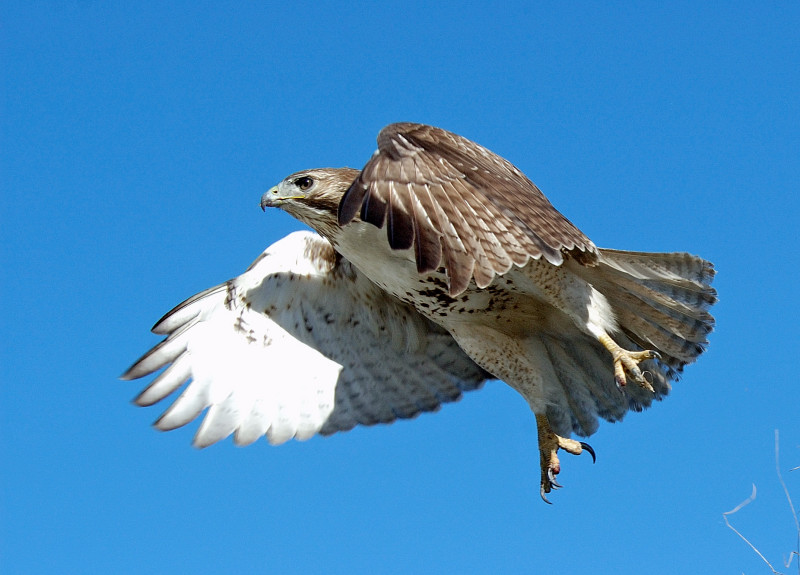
[
  {"x": 588, "y": 448},
  {"x": 541, "y": 492},
  {"x": 552, "y": 477}
]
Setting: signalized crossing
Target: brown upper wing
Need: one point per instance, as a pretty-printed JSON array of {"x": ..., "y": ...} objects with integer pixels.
[{"x": 459, "y": 205}]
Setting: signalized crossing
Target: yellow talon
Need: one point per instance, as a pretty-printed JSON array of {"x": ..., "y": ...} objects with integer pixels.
[
  {"x": 628, "y": 361},
  {"x": 549, "y": 444}
]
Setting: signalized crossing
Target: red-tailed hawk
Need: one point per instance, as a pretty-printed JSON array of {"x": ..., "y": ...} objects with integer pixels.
[{"x": 438, "y": 265}]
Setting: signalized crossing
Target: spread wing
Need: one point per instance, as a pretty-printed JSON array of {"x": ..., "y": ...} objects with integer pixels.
[
  {"x": 458, "y": 205},
  {"x": 299, "y": 344}
]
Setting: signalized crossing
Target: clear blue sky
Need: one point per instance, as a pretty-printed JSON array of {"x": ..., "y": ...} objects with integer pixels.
[{"x": 137, "y": 139}]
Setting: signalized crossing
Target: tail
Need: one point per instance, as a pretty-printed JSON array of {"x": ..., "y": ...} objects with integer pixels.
[{"x": 661, "y": 301}]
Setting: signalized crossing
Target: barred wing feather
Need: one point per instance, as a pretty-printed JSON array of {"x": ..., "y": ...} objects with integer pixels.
[{"x": 299, "y": 344}]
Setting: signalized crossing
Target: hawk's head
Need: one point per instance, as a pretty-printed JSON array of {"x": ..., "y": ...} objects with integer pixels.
[{"x": 312, "y": 196}]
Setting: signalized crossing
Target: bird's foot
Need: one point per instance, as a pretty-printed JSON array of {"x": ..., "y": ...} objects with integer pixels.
[
  {"x": 549, "y": 444},
  {"x": 628, "y": 362}
]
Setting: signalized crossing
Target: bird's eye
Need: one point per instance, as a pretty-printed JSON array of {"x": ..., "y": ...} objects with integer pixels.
[{"x": 304, "y": 183}]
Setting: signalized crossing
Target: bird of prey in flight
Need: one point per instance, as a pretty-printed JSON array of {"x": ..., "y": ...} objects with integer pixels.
[{"x": 437, "y": 266}]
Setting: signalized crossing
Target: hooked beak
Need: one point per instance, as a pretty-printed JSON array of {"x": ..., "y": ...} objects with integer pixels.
[{"x": 272, "y": 199}]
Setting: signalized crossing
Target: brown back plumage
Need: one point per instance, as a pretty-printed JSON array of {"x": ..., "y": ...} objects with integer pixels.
[{"x": 458, "y": 205}]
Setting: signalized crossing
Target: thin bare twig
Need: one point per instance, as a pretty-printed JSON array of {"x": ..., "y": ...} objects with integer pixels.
[
  {"x": 728, "y": 523},
  {"x": 792, "y": 555}
]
